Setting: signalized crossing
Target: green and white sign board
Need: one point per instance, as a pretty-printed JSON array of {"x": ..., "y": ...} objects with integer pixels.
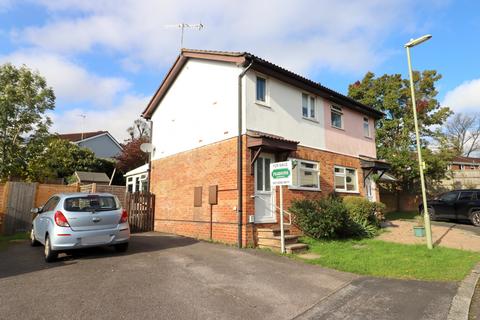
[{"x": 281, "y": 173}]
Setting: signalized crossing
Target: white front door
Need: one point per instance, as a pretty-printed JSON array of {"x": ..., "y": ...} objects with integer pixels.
[
  {"x": 264, "y": 197},
  {"x": 369, "y": 189}
]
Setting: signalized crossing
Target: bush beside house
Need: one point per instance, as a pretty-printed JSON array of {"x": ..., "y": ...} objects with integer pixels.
[{"x": 336, "y": 217}]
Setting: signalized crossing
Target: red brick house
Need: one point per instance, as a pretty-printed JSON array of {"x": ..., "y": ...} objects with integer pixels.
[{"x": 220, "y": 118}]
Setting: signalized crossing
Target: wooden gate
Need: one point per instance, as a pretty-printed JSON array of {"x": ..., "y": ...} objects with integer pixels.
[
  {"x": 141, "y": 211},
  {"x": 21, "y": 199}
]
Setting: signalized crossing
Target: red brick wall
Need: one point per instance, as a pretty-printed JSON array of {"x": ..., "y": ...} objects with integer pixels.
[
  {"x": 173, "y": 181},
  {"x": 175, "y": 177}
]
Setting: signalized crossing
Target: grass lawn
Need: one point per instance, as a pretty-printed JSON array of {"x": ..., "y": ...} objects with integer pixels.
[
  {"x": 392, "y": 260},
  {"x": 401, "y": 215},
  {"x": 4, "y": 240}
]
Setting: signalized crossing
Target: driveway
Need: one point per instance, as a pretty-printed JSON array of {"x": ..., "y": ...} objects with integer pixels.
[{"x": 171, "y": 277}]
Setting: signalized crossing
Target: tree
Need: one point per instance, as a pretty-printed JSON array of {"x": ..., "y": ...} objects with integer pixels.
[
  {"x": 139, "y": 130},
  {"x": 24, "y": 100},
  {"x": 462, "y": 134},
  {"x": 395, "y": 135},
  {"x": 131, "y": 156},
  {"x": 52, "y": 157}
]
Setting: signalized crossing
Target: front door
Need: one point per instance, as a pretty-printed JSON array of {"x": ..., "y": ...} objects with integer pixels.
[{"x": 264, "y": 197}]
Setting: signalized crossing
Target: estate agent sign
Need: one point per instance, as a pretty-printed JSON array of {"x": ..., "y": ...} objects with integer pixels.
[{"x": 281, "y": 173}]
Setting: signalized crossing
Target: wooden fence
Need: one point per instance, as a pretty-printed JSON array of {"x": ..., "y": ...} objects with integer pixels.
[{"x": 141, "y": 211}]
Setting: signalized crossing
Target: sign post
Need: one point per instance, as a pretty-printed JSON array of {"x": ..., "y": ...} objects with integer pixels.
[{"x": 281, "y": 173}]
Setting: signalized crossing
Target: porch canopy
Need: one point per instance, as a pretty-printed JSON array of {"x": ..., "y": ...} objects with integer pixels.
[
  {"x": 264, "y": 142},
  {"x": 372, "y": 165}
]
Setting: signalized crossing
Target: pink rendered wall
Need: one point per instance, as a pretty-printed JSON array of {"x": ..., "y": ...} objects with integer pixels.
[{"x": 350, "y": 140}]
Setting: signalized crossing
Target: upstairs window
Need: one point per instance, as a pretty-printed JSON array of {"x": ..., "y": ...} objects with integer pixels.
[
  {"x": 336, "y": 117},
  {"x": 305, "y": 175},
  {"x": 261, "y": 95},
  {"x": 345, "y": 179},
  {"x": 366, "y": 127},
  {"x": 308, "y": 106}
]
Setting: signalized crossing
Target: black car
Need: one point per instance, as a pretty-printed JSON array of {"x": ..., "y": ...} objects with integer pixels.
[{"x": 457, "y": 204}]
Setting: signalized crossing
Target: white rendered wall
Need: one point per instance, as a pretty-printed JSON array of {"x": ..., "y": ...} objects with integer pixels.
[
  {"x": 200, "y": 108},
  {"x": 282, "y": 114}
]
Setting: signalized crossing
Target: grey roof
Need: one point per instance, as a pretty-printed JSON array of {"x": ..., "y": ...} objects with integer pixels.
[{"x": 83, "y": 176}]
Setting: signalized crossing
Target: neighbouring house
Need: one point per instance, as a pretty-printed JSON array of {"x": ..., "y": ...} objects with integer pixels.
[
  {"x": 102, "y": 143},
  {"x": 83, "y": 177},
  {"x": 219, "y": 120},
  {"x": 464, "y": 173},
  {"x": 137, "y": 179}
]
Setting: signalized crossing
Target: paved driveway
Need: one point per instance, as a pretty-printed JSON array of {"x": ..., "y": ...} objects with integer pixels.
[{"x": 170, "y": 277}]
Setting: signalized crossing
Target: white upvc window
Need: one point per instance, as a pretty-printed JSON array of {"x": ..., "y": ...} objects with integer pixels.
[
  {"x": 366, "y": 127},
  {"x": 261, "y": 90},
  {"x": 305, "y": 175},
  {"x": 308, "y": 106},
  {"x": 345, "y": 179},
  {"x": 336, "y": 117}
]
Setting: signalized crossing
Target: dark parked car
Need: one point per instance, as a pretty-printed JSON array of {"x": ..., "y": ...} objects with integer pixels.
[{"x": 457, "y": 204}]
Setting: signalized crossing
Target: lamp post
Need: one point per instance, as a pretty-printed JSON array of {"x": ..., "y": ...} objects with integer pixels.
[{"x": 421, "y": 165}]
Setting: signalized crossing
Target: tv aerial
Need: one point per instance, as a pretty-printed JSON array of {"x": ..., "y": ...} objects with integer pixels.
[{"x": 184, "y": 26}]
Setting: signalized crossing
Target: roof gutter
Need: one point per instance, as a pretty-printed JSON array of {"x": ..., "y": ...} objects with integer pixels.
[{"x": 239, "y": 156}]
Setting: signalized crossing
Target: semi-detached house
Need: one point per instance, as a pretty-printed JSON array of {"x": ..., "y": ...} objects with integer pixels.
[{"x": 220, "y": 118}]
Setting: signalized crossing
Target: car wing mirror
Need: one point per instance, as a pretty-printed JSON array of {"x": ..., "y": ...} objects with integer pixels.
[{"x": 36, "y": 210}]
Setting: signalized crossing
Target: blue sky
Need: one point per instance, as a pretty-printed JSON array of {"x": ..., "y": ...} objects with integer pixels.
[{"x": 105, "y": 58}]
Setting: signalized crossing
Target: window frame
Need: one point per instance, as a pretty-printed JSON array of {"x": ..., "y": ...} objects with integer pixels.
[
  {"x": 357, "y": 187},
  {"x": 366, "y": 121},
  {"x": 267, "y": 95},
  {"x": 310, "y": 98},
  {"x": 295, "y": 184},
  {"x": 339, "y": 111}
]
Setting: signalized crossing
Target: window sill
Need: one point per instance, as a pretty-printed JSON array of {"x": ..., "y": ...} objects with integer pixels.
[
  {"x": 367, "y": 137},
  {"x": 345, "y": 191},
  {"x": 263, "y": 104},
  {"x": 337, "y": 128},
  {"x": 304, "y": 189},
  {"x": 310, "y": 119}
]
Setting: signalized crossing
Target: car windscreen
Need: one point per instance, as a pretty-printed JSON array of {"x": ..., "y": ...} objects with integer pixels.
[{"x": 91, "y": 203}]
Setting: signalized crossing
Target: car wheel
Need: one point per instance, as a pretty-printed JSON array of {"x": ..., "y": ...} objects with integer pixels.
[
  {"x": 475, "y": 218},
  {"x": 33, "y": 241},
  {"x": 122, "y": 247},
  {"x": 50, "y": 255},
  {"x": 431, "y": 214}
]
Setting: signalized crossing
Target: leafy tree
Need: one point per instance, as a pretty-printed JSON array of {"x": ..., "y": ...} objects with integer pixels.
[
  {"x": 395, "y": 136},
  {"x": 462, "y": 134},
  {"x": 24, "y": 100},
  {"x": 52, "y": 157},
  {"x": 131, "y": 156}
]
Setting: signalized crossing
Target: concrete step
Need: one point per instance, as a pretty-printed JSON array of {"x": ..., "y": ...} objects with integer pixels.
[
  {"x": 275, "y": 240},
  {"x": 290, "y": 248},
  {"x": 265, "y": 232},
  {"x": 296, "y": 248}
]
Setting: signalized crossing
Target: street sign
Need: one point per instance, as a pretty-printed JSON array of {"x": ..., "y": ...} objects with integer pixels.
[{"x": 281, "y": 173}]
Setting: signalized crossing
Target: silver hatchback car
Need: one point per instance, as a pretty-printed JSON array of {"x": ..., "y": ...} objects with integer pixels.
[{"x": 79, "y": 220}]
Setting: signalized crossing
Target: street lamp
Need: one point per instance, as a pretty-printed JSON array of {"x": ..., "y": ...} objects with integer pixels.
[{"x": 421, "y": 165}]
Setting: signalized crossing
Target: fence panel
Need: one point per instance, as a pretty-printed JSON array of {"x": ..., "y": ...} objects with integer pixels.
[
  {"x": 21, "y": 199},
  {"x": 141, "y": 211}
]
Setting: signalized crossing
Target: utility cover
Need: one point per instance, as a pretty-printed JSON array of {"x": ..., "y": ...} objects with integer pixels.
[{"x": 281, "y": 173}]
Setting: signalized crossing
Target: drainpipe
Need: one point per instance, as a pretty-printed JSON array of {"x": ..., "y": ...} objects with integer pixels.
[
  {"x": 149, "y": 170},
  {"x": 239, "y": 157}
]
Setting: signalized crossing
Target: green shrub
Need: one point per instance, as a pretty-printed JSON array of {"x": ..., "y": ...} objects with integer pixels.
[
  {"x": 321, "y": 219},
  {"x": 361, "y": 209}
]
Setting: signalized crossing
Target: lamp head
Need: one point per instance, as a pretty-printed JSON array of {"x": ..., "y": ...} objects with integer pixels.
[{"x": 414, "y": 42}]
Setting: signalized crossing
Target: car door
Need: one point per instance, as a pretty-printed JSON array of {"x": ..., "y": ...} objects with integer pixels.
[
  {"x": 465, "y": 201},
  {"x": 45, "y": 217},
  {"x": 445, "y": 208}
]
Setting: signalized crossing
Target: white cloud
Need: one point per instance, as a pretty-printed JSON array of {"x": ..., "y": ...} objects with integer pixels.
[
  {"x": 116, "y": 120},
  {"x": 342, "y": 35},
  {"x": 465, "y": 97},
  {"x": 71, "y": 82}
]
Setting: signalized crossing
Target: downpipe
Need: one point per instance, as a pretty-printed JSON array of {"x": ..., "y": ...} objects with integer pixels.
[{"x": 239, "y": 157}]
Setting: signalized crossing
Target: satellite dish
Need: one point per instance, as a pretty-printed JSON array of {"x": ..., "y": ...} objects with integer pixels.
[{"x": 146, "y": 147}]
